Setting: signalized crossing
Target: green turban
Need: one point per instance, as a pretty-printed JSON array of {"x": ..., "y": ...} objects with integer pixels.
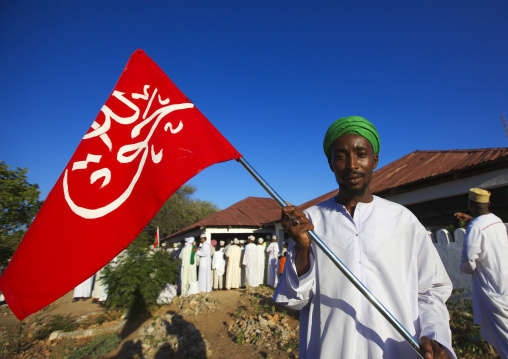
[{"x": 355, "y": 125}]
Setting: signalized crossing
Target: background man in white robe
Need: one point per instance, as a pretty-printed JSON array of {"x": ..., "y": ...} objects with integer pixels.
[
  {"x": 386, "y": 248},
  {"x": 218, "y": 267},
  {"x": 484, "y": 256},
  {"x": 251, "y": 263},
  {"x": 273, "y": 260},
  {"x": 84, "y": 290},
  {"x": 205, "y": 268},
  {"x": 233, "y": 271},
  {"x": 188, "y": 269},
  {"x": 262, "y": 258}
]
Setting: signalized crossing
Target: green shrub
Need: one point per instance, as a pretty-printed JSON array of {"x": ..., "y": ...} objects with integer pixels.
[
  {"x": 135, "y": 282},
  {"x": 466, "y": 336}
]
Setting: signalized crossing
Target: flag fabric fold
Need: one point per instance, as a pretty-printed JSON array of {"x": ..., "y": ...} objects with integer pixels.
[{"x": 146, "y": 142}]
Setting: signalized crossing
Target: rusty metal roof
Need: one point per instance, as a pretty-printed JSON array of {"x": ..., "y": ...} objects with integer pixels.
[
  {"x": 420, "y": 166},
  {"x": 413, "y": 170},
  {"x": 424, "y": 167},
  {"x": 250, "y": 212}
]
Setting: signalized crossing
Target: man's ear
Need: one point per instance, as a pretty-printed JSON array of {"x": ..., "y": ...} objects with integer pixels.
[{"x": 376, "y": 159}]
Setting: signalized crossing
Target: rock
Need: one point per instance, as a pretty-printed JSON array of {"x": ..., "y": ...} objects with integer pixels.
[{"x": 230, "y": 322}]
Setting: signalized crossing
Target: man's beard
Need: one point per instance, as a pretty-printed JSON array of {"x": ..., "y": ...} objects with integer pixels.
[{"x": 356, "y": 192}]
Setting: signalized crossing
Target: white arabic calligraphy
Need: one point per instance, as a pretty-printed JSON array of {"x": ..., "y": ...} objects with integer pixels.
[{"x": 126, "y": 153}]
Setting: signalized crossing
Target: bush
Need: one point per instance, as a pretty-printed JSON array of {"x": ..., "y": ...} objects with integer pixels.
[
  {"x": 135, "y": 282},
  {"x": 466, "y": 336}
]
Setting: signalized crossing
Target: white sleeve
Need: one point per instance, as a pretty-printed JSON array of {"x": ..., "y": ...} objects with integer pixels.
[
  {"x": 471, "y": 250},
  {"x": 434, "y": 288},
  {"x": 295, "y": 292}
]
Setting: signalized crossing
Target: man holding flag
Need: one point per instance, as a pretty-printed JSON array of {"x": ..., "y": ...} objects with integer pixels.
[{"x": 383, "y": 244}]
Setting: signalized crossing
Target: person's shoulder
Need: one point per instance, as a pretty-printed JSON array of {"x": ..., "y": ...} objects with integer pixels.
[
  {"x": 384, "y": 206},
  {"x": 324, "y": 206},
  {"x": 485, "y": 221}
]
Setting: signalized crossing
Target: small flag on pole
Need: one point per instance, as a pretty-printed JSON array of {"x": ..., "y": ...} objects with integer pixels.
[
  {"x": 156, "y": 243},
  {"x": 147, "y": 141}
]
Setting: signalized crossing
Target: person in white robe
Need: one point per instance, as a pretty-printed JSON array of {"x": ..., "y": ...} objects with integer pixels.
[
  {"x": 383, "y": 244},
  {"x": 242, "y": 267},
  {"x": 251, "y": 263},
  {"x": 273, "y": 261},
  {"x": 218, "y": 267},
  {"x": 233, "y": 270},
  {"x": 262, "y": 258},
  {"x": 205, "y": 268},
  {"x": 187, "y": 267},
  {"x": 84, "y": 290},
  {"x": 484, "y": 256}
]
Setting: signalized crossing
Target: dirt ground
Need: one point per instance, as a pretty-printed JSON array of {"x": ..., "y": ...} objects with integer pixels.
[{"x": 212, "y": 326}]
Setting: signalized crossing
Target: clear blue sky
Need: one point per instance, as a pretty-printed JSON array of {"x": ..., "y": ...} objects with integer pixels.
[{"x": 270, "y": 75}]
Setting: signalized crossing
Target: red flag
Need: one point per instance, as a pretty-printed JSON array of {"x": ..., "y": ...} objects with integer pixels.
[
  {"x": 147, "y": 141},
  {"x": 156, "y": 239}
]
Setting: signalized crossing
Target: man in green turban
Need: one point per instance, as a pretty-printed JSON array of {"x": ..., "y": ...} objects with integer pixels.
[{"x": 386, "y": 248}]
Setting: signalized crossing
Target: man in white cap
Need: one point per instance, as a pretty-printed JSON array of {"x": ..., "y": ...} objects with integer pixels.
[
  {"x": 233, "y": 271},
  {"x": 273, "y": 259},
  {"x": 218, "y": 266},
  {"x": 262, "y": 257},
  {"x": 484, "y": 256},
  {"x": 205, "y": 268},
  {"x": 188, "y": 265}
]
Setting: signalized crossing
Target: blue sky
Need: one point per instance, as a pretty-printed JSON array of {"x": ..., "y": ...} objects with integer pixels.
[{"x": 270, "y": 75}]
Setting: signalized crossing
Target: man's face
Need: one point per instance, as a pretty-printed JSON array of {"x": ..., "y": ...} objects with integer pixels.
[
  {"x": 353, "y": 161},
  {"x": 202, "y": 239}
]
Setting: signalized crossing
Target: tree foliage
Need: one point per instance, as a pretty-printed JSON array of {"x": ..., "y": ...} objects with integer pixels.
[
  {"x": 19, "y": 203},
  {"x": 180, "y": 211},
  {"x": 136, "y": 280}
]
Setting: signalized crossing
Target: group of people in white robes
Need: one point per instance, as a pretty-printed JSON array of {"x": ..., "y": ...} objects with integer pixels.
[{"x": 227, "y": 264}]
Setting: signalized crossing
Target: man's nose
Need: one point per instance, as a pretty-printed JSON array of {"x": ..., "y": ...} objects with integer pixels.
[{"x": 352, "y": 162}]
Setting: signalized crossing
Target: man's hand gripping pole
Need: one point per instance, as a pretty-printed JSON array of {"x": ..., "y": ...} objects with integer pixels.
[{"x": 349, "y": 275}]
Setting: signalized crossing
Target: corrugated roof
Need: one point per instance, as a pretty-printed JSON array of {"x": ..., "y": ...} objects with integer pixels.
[
  {"x": 250, "y": 212},
  {"x": 425, "y": 165},
  {"x": 421, "y": 166}
]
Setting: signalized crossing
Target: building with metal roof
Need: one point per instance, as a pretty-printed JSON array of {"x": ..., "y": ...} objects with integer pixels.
[{"x": 240, "y": 220}]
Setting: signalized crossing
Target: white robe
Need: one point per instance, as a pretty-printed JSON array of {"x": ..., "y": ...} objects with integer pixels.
[
  {"x": 390, "y": 252},
  {"x": 218, "y": 269},
  {"x": 100, "y": 290},
  {"x": 251, "y": 263},
  {"x": 187, "y": 270},
  {"x": 273, "y": 261},
  {"x": 84, "y": 290},
  {"x": 233, "y": 271},
  {"x": 261, "y": 254},
  {"x": 205, "y": 269},
  {"x": 484, "y": 256}
]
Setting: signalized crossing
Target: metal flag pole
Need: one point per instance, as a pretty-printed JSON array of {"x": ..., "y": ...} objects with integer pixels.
[{"x": 349, "y": 275}]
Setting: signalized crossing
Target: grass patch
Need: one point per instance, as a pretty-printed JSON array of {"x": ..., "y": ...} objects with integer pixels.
[
  {"x": 98, "y": 347},
  {"x": 64, "y": 323}
]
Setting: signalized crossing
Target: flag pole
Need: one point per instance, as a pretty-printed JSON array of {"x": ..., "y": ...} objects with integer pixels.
[{"x": 349, "y": 275}]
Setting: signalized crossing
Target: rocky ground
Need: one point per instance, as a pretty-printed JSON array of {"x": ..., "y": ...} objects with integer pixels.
[{"x": 221, "y": 324}]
